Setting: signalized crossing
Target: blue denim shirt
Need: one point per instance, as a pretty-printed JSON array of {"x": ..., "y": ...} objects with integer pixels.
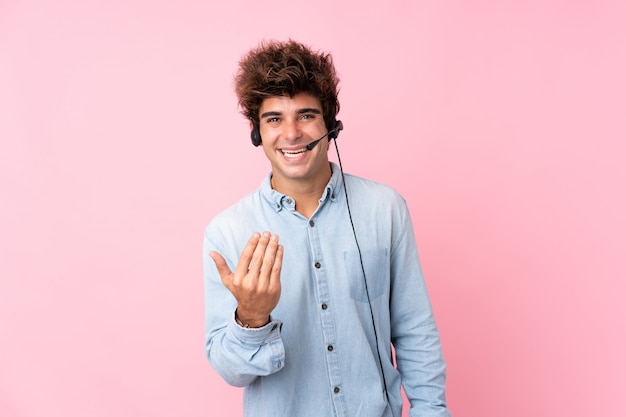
[{"x": 318, "y": 355}]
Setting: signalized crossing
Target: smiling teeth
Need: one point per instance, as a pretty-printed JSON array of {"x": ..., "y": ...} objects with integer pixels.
[{"x": 293, "y": 153}]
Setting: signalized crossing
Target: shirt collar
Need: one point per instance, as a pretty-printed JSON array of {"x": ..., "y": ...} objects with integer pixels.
[{"x": 278, "y": 201}]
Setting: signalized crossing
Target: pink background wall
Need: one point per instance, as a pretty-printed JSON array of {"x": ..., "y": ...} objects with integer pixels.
[{"x": 501, "y": 122}]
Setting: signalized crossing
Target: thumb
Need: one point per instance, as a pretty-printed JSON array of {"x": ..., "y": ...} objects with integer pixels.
[{"x": 220, "y": 264}]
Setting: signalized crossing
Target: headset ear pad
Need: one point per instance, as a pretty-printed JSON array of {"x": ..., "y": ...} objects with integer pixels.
[
  {"x": 255, "y": 136},
  {"x": 334, "y": 132}
]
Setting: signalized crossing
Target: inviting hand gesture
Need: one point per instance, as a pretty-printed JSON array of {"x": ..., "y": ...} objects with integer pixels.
[{"x": 255, "y": 283}]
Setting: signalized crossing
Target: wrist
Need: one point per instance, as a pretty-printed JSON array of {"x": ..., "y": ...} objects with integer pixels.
[{"x": 250, "y": 322}]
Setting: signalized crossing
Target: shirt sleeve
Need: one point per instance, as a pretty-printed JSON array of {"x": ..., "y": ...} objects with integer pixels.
[
  {"x": 238, "y": 354},
  {"x": 414, "y": 333}
]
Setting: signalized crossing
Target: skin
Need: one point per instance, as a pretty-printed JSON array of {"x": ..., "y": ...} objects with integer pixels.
[
  {"x": 255, "y": 283},
  {"x": 287, "y": 125}
]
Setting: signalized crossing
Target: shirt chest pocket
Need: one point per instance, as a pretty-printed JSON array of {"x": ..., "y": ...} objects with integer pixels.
[{"x": 377, "y": 269}]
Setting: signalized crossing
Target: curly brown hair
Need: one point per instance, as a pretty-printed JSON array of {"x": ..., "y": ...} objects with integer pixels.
[{"x": 277, "y": 68}]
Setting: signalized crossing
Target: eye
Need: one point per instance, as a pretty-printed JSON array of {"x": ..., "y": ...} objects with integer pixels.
[{"x": 272, "y": 119}]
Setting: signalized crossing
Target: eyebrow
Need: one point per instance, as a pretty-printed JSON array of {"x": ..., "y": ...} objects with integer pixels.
[
  {"x": 269, "y": 114},
  {"x": 299, "y": 111},
  {"x": 309, "y": 110}
]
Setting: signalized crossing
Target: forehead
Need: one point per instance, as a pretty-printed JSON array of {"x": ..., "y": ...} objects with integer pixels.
[{"x": 286, "y": 104}]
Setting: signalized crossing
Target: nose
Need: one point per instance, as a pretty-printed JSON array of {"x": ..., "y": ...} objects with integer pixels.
[{"x": 291, "y": 130}]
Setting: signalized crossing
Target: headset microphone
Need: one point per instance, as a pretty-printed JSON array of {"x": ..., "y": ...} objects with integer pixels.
[
  {"x": 332, "y": 134},
  {"x": 255, "y": 135},
  {"x": 313, "y": 144}
]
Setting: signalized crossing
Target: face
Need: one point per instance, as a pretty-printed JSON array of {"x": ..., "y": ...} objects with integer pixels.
[{"x": 287, "y": 125}]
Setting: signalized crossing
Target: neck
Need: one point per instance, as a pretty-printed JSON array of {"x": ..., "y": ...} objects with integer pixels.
[{"x": 305, "y": 192}]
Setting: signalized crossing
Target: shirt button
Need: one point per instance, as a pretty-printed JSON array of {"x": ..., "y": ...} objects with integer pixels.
[
  {"x": 336, "y": 390},
  {"x": 288, "y": 201},
  {"x": 330, "y": 348},
  {"x": 311, "y": 223},
  {"x": 332, "y": 195},
  {"x": 324, "y": 306},
  {"x": 318, "y": 265}
]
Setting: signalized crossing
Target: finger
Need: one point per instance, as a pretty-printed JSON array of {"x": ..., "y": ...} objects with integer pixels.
[
  {"x": 221, "y": 265},
  {"x": 246, "y": 255},
  {"x": 258, "y": 256},
  {"x": 276, "y": 268},
  {"x": 269, "y": 257}
]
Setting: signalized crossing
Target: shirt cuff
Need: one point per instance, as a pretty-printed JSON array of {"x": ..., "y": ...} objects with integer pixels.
[{"x": 257, "y": 335}]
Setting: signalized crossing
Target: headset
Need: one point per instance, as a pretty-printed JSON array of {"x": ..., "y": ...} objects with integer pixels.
[
  {"x": 337, "y": 126},
  {"x": 333, "y": 133},
  {"x": 367, "y": 293}
]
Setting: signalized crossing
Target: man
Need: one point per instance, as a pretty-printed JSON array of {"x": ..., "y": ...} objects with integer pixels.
[{"x": 312, "y": 278}]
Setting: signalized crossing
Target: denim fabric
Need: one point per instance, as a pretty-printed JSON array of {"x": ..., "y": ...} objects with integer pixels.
[{"x": 318, "y": 355}]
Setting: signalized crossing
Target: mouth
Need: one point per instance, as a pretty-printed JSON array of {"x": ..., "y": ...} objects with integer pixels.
[{"x": 293, "y": 153}]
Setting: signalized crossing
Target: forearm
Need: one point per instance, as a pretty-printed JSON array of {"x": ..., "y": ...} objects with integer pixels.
[
  {"x": 415, "y": 335},
  {"x": 421, "y": 363},
  {"x": 240, "y": 355}
]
